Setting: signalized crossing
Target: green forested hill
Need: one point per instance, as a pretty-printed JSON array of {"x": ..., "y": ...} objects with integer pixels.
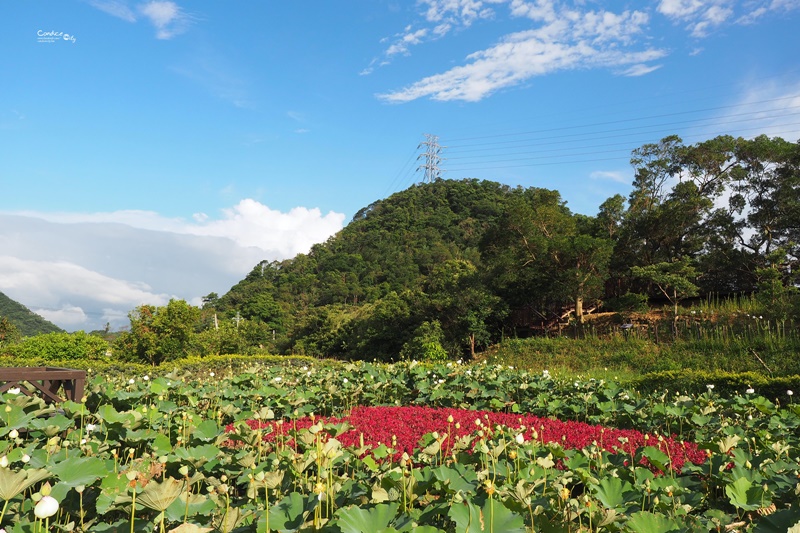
[
  {"x": 444, "y": 267},
  {"x": 26, "y": 321},
  {"x": 369, "y": 288}
]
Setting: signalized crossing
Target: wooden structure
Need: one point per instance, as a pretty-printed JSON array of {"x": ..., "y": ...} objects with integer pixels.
[{"x": 46, "y": 379}]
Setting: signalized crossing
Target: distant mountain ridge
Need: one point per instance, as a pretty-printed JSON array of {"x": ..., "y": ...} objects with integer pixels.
[{"x": 27, "y": 322}]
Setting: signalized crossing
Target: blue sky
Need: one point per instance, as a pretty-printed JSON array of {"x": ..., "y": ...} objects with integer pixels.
[{"x": 157, "y": 149}]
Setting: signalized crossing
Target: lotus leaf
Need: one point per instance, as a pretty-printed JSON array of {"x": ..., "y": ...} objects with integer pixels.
[{"x": 14, "y": 483}]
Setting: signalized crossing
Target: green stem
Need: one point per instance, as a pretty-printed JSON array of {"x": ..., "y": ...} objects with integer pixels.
[
  {"x": 266, "y": 502},
  {"x": 133, "y": 508},
  {"x": 3, "y": 512},
  {"x": 188, "y": 494}
]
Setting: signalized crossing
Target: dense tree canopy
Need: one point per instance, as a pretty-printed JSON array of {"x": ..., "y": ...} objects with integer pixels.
[
  {"x": 454, "y": 262},
  {"x": 448, "y": 267}
]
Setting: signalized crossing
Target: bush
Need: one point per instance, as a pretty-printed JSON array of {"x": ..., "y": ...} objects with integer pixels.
[
  {"x": 426, "y": 344},
  {"x": 630, "y": 302},
  {"x": 60, "y": 346},
  {"x": 725, "y": 383}
]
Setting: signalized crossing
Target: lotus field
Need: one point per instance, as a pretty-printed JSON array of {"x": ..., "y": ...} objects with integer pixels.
[{"x": 406, "y": 447}]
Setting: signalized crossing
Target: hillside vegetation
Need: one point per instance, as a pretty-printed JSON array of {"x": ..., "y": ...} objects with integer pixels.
[
  {"x": 446, "y": 268},
  {"x": 696, "y": 267},
  {"x": 23, "y": 320}
]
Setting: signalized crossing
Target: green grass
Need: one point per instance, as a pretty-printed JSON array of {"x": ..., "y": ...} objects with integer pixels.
[{"x": 762, "y": 349}]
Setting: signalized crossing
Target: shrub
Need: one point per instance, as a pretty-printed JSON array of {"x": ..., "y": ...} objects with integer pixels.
[
  {"x": 630, "y": 302},
  {"x": 426, "y": 344},
  {"x": 60, "y": 346}
]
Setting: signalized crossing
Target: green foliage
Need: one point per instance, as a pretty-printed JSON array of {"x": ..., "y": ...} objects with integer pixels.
[
  {"x": 485, "y": 261},
  {"x": 725, "y": 383},
  {"x": 158, "y": 334},
  {"x": 776, "y": 299},
  {"x": 59, "y": 347},
  {"x": 425, "y": 344},
  {"x": 630, "y": 302},
  {"x": 26, "y": 321},
  {"x": 636, "y": 355},
  {"x": 236, "y": 451},
  {"x": 673, "y": 279},
  {"x": 9, "y": 334}
]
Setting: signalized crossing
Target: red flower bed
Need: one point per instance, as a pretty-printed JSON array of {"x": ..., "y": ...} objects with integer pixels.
[{"x": 408, "y": 425}]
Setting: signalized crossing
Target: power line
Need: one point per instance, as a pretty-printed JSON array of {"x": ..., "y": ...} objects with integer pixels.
[
  {"x": 606, "y": 123},
  {"x": 605, "y": 137},
  {"x": 495, "y": 167},
  {"x": 572, "y": 144}
]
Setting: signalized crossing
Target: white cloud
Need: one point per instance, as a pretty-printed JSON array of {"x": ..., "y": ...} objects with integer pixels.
[
  {"x": 115, "y": 8},
  {"x": 703, "y": 16},
  {"x": 768, "y": 108},
  {"x": 564, "y": 35},
  {"x": 69, "y": 316},
  {"x": 168, "y": 18},
  {"x": 587, "y": 40},
  {"x": 611, "y": 175},
  {"x": 464, "y": 12},
  {"x": 102, "y": 265},
  {"x": 639, "y": 70},
  {"x": 540, "y": 10},
  {"x": 680, "y": 8},
  {"x": 405, "y": 40},
  {"x": 759, "y": 9},
  {"x": 443, "y": 17}
]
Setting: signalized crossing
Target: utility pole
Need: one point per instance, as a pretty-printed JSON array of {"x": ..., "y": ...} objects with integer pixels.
[{"x": 432, "y": 158}]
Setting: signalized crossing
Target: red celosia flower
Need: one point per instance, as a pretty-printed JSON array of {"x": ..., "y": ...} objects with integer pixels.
[{"x": 408, "y": 424}]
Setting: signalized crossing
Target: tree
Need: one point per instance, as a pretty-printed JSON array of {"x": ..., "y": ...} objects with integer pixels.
[
  {"x": 459, "y": 301},
  {"x": 9, "y": 334},
  {"x": 159, "y": 334},
  {"x": 518, "y": 251},
  {"x": 426, "y": 343},
  {"x": 673, "y": 280},
  {"x": 583, "y": 263}
]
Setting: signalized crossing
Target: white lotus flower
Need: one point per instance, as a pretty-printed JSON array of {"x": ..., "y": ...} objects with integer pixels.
[
  {"x": 750, "y": 391},
  {"x": 14, "y": 390},
  {"x": 47, "y": 507}
]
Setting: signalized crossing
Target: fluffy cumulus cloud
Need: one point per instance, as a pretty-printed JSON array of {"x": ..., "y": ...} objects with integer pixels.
[
  {"x": 84, "y": 270},
  {"x": 562, "y": 36}
]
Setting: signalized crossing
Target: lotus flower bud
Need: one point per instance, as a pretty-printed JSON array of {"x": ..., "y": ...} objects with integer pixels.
[{"x": 47, "y": 507}]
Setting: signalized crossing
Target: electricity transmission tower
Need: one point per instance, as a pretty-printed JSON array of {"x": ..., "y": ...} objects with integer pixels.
[{"x": 432, "y": 158}]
